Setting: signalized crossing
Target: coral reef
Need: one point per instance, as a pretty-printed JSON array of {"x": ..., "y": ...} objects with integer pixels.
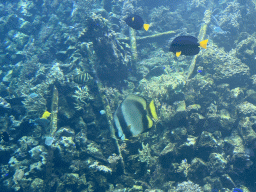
[
  {"x": 187, "y": 186},
  {"x": 205, "y": 137}
]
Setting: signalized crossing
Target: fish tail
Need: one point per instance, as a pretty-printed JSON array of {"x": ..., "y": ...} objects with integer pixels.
[
  {"x": 204, "y": 43},
  {"x": 146, "y": 26},
  {"x": 178, "y": 54}
]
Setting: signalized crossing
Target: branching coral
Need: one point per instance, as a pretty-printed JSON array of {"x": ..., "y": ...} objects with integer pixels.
[
  {"x": 183, "y": 167},
  {"x": 197, "y": 3},
  {"x": 82, "y": 96},
  {"x": 35, "y": 106},
  {"x": 145, "y": 155},
  {"x": 230, "y": 15}
]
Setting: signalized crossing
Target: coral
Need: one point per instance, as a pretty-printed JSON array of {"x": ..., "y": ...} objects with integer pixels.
[
  {"x": 166, "y": 112},
  {"x": 37, "y": 185},
  {"x": 145, "y": 155},
  {"x": 163, "y": 19},
  {"x": 55, "y": 74},
  {"x": 183, "y": 167},
  {"x": 4, "y": 103},
  {"x": 18, "y": 175},
  {"x": 197, "y": 3},
  {"x": 35, "y": 106},
  {"x": 66, "y": 147},
  {"x": 188, "y": 186},
  {"x": 246, "y": 109},
  {"x": 82, "y": 97},
  {"x": 95, "y": 150},
  {"x": 230, "y": 15},
  {"x": 206, "y": 127},
  {"x": 163, "y": 86},
  {"x": 129, "y": 7},
  {"x": 246, "y": 50},
  {"x": 226, "y": 66},
  {"x": 39, "y": 153},
  {"x": 113, "y": 159},
  {"x": 98, "y": 167},
  {"x": 113, "y": 97}
]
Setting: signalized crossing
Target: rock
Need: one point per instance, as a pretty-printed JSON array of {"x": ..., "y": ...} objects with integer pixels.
[
  {"x": 207, "y": 140},
  {"x": 20, "y": 39},
  {"x": 217, "y": 163},
  {"x": 37, "y": 185},
  {"x": 197, "y": 170},
  {"x": 246, "y": 109},
  {"x": 66, "y": 147},
  {"x": 237, "y": 93},
  {"x": 231, "y": 71},
  {"x": 170, "y": 148},
  {"x": 179, "y": 134},
  {"x": 227, "y": 181},
  {"x": 246, "y": 51},
  {"x": 245, "y": 128},
  {"x": 25, "y": 27},
  {"x": 71, "y": 178}
]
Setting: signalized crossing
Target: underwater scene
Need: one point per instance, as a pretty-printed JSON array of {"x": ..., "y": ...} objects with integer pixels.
[{"x": 128, "y": 95}]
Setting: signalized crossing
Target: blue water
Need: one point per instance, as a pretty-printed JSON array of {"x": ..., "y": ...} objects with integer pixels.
[{"x": 204, "y": 136}]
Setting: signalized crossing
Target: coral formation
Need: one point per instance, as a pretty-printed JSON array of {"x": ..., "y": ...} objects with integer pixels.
[{"x": 204, "y": 138}]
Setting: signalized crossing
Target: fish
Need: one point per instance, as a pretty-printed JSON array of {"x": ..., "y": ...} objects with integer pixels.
[
  {"x": 49, "y": 141},
  {"x": 46, "y": 115},
  {"x": 133, "y": 116},
  {"x": 40, "y": 121},
  {"x": 5, "y": 136},
  {"x": 136, "y": 22},
  {"x": 33, "y": 95},
  {"x": 82, "y": 78},
  {"x": 187, "y": 45},
  {"x": 237, "y": 190}
]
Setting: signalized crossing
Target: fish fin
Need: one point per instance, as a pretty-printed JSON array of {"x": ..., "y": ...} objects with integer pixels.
[
  {"x": 152, "y": 109},
  {"x": 204, "y": 43},
  {"x": 178, "y": 54},
  {"x": 150, "y": 122},
  {"x": 133, "y": 19},
  {"x": 146, "y": 26}
]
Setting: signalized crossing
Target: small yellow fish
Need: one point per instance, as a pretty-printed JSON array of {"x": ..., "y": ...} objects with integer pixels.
[{"x": 46, "y": 115}]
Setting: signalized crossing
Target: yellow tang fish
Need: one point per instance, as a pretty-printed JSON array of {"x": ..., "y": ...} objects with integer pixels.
[{"x": 46, "y": 115}]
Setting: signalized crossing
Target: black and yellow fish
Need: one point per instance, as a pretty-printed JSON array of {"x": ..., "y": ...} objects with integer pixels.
[
  {"x": 5, "y": 136},
  {"x": 134, "y": 116},
  {"x": 136, "y": 22},
  {"x": 187, "y": 45},
  {"x": 82, "y": 78}
]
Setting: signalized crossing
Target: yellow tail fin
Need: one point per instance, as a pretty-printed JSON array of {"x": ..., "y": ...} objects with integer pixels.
[
  {"x": 204, "y": 43},
  {"x": 150, "y": 122},
  {"x": 178, "y": 54},
  {"x": 152, "y": 109},
  {"x": 146, "y": 26}
]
